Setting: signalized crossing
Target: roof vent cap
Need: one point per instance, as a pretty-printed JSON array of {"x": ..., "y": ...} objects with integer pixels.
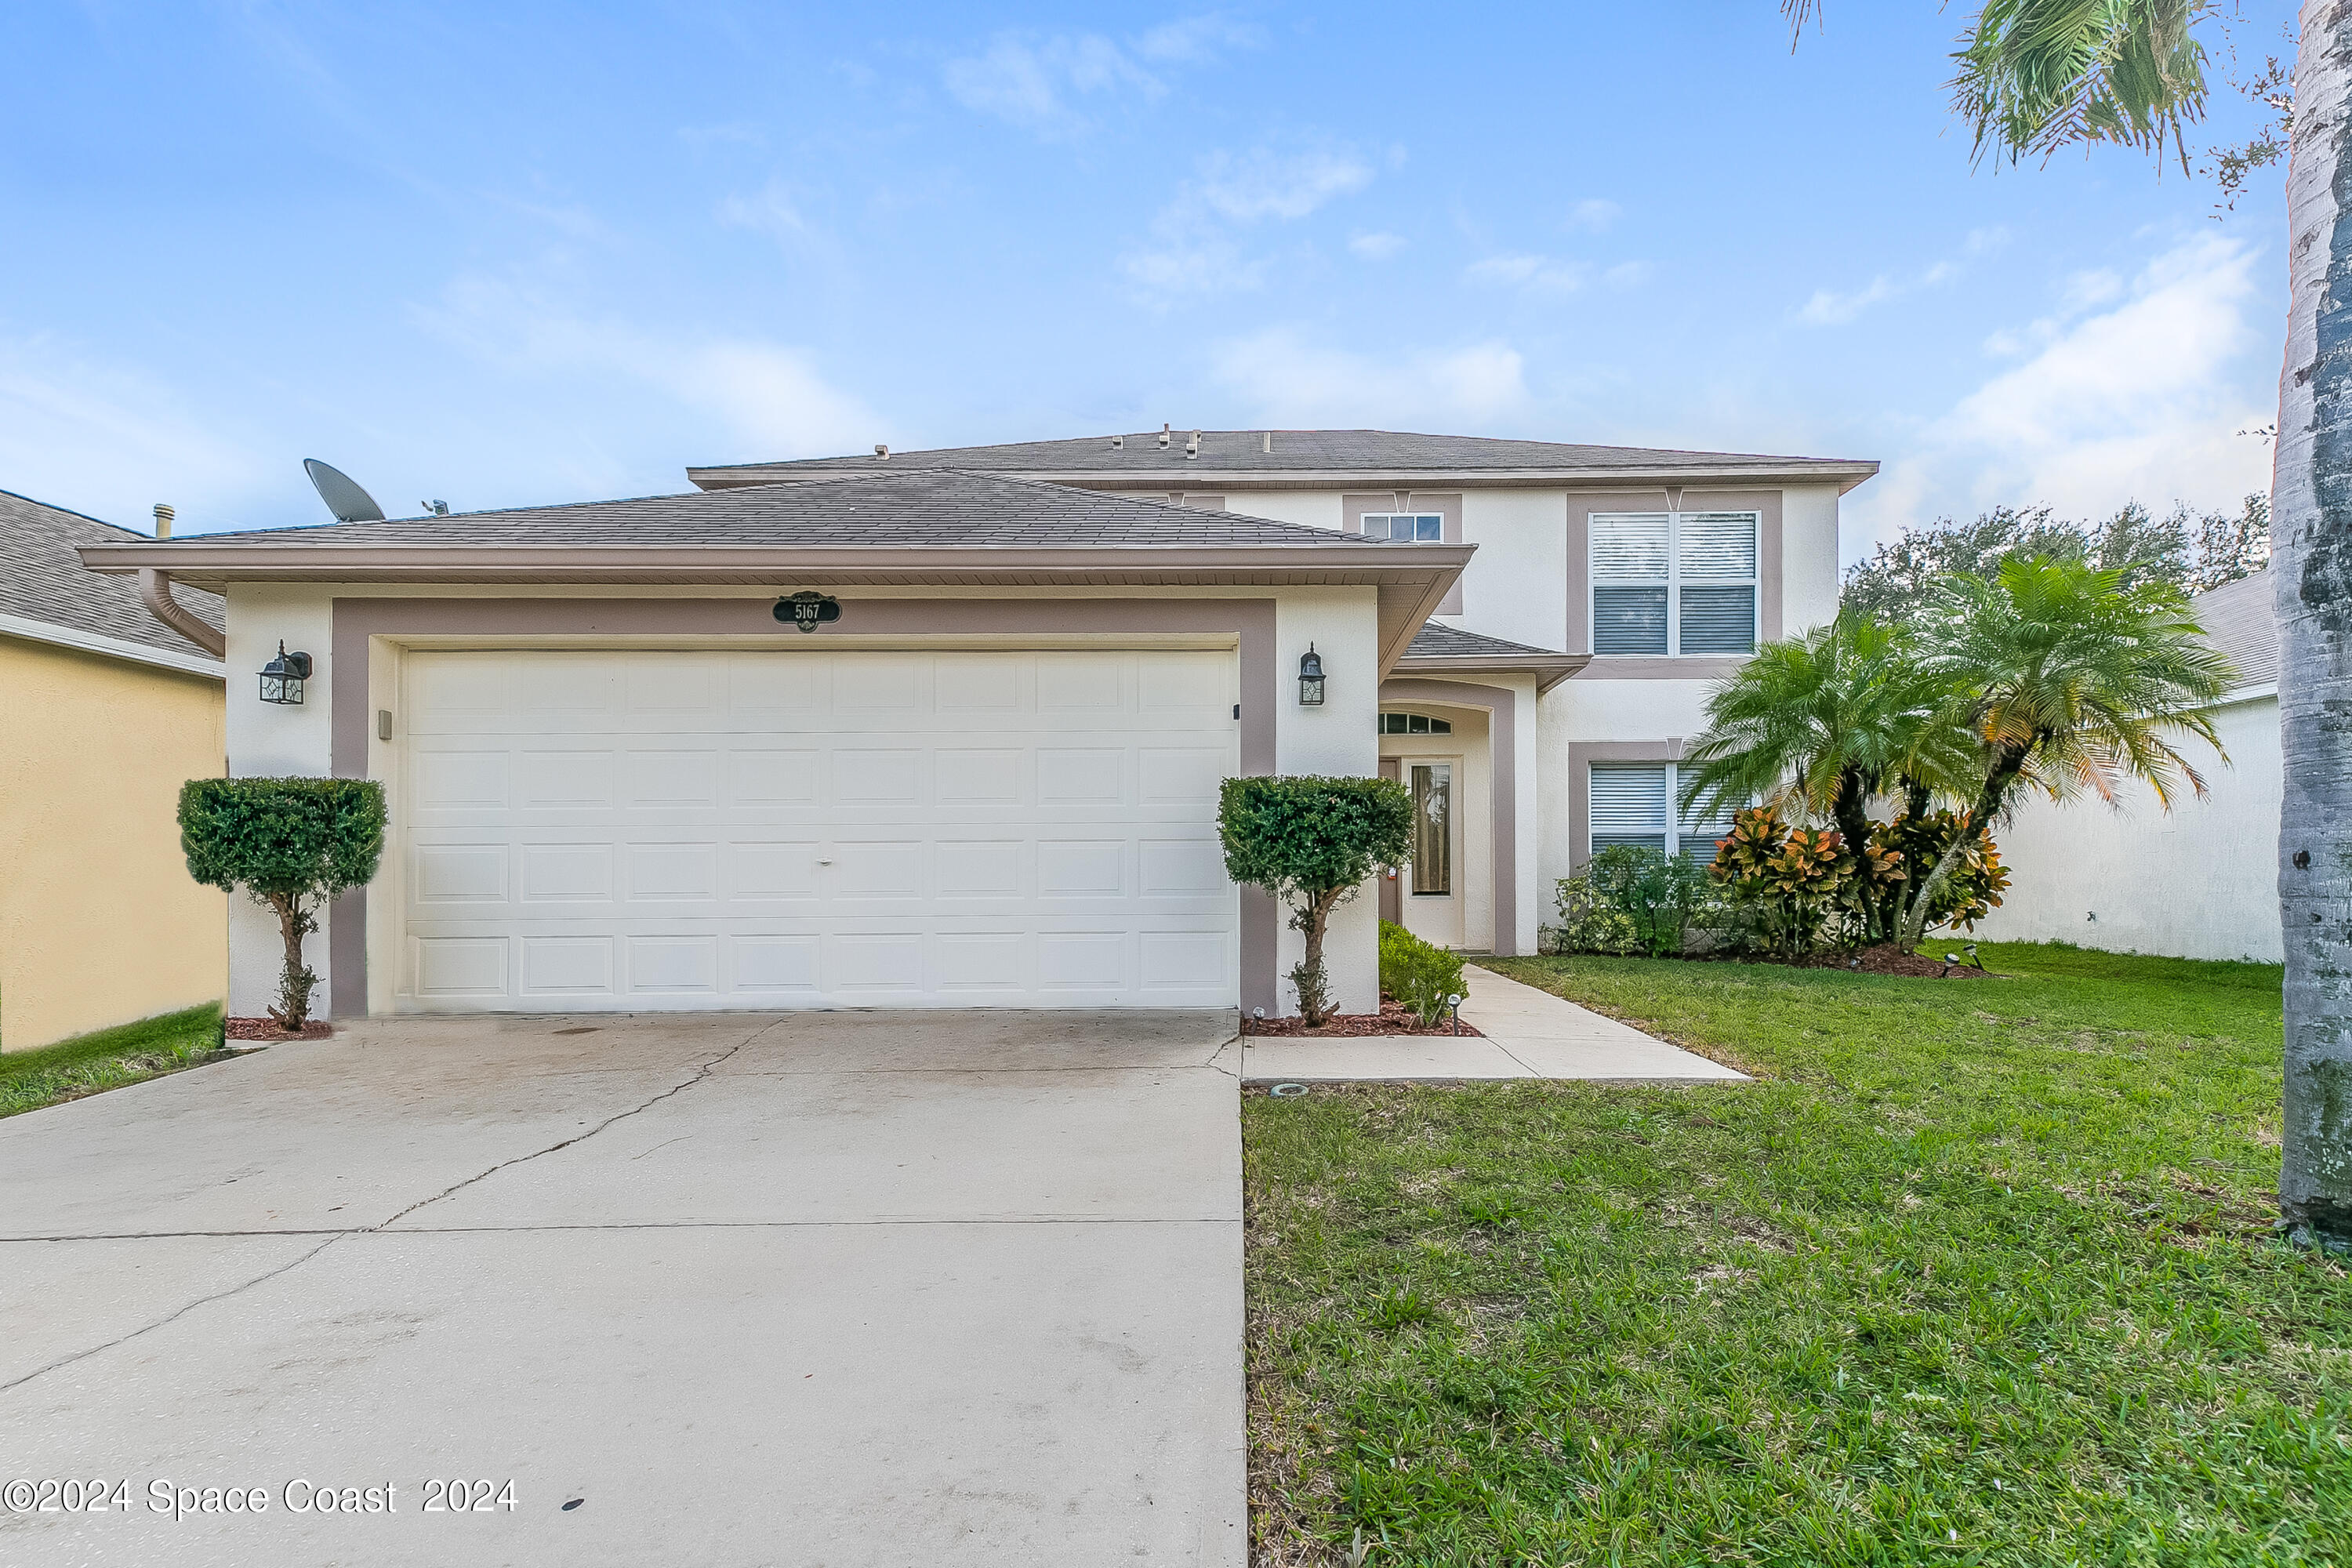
[
  {"x": 1192, "y": 446},
  {"x": 1117, "y": 442},
  {"x": 881, "y": 449},
  {"x": 164, "y": 515},
  {"x": 1163, "y": 437}
]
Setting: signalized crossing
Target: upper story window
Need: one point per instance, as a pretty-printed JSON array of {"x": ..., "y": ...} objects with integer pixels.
[
  {"x": 1675, "y": 582},
  {"x": 1412, "y": 527},
  {"x": 1413, "y": 724}
]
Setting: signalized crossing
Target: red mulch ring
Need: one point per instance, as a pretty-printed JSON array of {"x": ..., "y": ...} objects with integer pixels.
[
  {"x": 1888, "y": 959},
  {"x": 268, "y": 1030},
  {"x": 1393, "y": 1018}
]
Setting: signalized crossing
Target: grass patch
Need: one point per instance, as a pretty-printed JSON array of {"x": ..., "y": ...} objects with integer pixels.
[
  {"x": 88, "y": 1064},
  {"x": 1980, "y": 1273}
]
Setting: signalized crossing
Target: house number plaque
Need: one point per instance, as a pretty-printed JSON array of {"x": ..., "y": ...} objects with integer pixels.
[{"x": 808, "y": 610}]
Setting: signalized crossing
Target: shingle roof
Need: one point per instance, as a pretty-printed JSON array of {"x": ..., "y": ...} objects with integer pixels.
[
  {"x": 2241, "y": 620},
  {"x": 914, "y": 507},
  {"x": 1294, "y": 451},
  {"x": 1436, "y": 641},
  {"x": 41, "y": 578}
]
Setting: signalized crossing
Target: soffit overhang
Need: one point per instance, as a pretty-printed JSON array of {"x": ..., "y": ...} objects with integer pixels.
[{"x": 1410, "y": 581}]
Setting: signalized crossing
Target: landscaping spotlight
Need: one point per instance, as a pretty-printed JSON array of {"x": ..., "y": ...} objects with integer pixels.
[
  {"x": 1454, "y": 1003},
  {"x": 282, "y": 677}
]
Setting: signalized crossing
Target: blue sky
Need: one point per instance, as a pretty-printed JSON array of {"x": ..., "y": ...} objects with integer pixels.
[{"x": 517, "y": 253}]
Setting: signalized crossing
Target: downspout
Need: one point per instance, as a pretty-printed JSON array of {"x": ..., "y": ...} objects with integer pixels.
[{"x": 155, "y": 591}]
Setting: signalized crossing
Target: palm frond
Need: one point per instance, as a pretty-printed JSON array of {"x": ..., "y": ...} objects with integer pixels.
[{"x": 2038, "y": 75}]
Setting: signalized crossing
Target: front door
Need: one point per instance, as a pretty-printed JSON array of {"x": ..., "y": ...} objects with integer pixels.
[{"x": 1432, "y": 883}]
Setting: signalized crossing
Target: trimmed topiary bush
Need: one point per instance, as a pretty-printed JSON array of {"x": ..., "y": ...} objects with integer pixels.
[
  {"x": 292, "y": 844},
  {"x": 1311, "y": 842}
]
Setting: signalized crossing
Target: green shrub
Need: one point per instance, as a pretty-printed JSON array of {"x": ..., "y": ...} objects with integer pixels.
[
  {"x": 292, "y": 844},
  {"x": 1661, "y": 896},
  {"x": 1589, "y": 923},
  {"x": 1418, "y": 974},
  {"x": 1311, "y": 842}
]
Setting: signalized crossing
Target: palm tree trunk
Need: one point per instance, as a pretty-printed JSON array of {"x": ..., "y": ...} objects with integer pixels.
[
  {"x": 1851, "y": 812},
  {"x": 2311, "y": 497},
  {"x": 2005, "y": 769}
]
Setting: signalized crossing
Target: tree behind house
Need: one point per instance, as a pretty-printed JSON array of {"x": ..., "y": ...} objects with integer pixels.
[{"x": 2193, "y": 551}]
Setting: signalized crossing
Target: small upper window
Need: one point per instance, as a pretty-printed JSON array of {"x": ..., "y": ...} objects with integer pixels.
[
  {"x": 1411, "y": 526},
  {"x": 1413, "y": 724}
]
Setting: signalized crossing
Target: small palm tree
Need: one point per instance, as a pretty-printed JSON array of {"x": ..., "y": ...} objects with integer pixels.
[
  {"x": 2067, "y": 682},
  {"x": 1822, "y": 723}
]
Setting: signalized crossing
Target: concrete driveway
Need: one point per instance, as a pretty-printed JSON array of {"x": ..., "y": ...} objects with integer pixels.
[{"x": 834, "y": 1288}]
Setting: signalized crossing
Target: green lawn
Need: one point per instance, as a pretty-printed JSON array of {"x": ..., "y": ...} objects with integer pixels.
[
  {"x": 109, "y": 1058},
  {"x": 1981, "y": 1272}
]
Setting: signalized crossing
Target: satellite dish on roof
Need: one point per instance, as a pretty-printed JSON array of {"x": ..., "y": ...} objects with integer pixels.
[{"x": 341, "y": 493}]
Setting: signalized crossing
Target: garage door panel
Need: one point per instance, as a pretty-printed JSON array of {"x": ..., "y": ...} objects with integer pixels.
[
  {"x": 571, "y": 966},
  {"x": 566, "y": 873},
  {"x": 653, "y": 830},
  {"x": 762, "y": 776},
  {"x": 876, "y": 778}
]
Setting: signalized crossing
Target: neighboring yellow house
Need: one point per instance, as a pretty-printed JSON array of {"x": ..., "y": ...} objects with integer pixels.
[{"x": 103, "y": 713}]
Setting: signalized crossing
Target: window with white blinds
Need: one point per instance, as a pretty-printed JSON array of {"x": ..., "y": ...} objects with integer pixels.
[
  {"x": 1674, "y": 581},
  {"x": 1633, "y": 802}
]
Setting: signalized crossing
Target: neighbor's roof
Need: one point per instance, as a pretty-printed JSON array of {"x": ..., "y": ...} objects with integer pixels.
[
  {"x": 1369, "y": 456},
  {"x": 2241, "y": 620},
  {"x": 44, "y": 584},
  {"x": 914, "y": 507}
]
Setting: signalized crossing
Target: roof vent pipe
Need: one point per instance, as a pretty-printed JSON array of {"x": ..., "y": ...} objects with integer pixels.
[
  {"x": 1267, "y": 445},
  {"x": 164, "y": 515},
  {"x": 1192, "y": 446},
  {"x": 1163, "y": 437}
]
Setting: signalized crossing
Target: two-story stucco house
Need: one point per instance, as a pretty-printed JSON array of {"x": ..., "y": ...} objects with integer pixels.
[{"x": 980, "y": 768}]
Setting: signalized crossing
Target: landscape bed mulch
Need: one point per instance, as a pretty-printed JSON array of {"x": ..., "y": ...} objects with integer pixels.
[
  {"x": 268, "y": 1030},
  {"x": 1393, "y": 1018}
]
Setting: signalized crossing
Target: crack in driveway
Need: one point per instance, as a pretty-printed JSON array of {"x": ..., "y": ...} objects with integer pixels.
[{"x": 701, "y": 1073}]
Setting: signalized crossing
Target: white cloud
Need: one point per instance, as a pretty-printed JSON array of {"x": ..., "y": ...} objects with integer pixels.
[
  {"x": 111, "y": 441},
  {"x": 1627, "y": 274},
  {"x": 1594, "y": 215},
  {"x": 1286, "y": 380},
  {"x": 1376, "y": 247},
  {"x": 2139, "y": 401},
  {"x": 1194, "y": 41},
  {"x": 1194, "y": 246},
  {"x": 1260, "y": 184},
  {"x": 1530, "y": 274},
  {"x": 1828, "y": 307},
  {"x": 771, "y": 398},
  {"x": 772, "y": 212},
  {"x": 1037, "y": 82}
]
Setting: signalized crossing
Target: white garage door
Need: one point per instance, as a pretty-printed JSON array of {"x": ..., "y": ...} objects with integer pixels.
[{"x": 644, "y": 830}]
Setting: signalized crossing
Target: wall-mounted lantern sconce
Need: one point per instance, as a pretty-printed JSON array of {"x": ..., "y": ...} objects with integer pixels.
[
  {"x": 282, "y": 677},
  {"x": 1311, "y": 679}
]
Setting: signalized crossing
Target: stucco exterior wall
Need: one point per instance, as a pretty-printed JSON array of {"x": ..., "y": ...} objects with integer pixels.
[
  {"x": 1586, "y": 710},
  {"x": 2199, "y": 882},
  {"x": 267, "y": 740},
  {"x": 1809, "y": 557},
  {"x": 100, "y": 923}
]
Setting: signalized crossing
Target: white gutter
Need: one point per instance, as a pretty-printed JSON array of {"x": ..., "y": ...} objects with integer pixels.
[{"x": 111, "y": 647}]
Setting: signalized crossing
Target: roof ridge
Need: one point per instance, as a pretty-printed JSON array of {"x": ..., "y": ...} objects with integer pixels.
[{"x": 52, "y": 506}]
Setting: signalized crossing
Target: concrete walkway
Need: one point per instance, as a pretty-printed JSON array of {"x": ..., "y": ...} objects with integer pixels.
[
  {"x": 1529, "y": 1034},
  {"x": 842, "y": 1288}
]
